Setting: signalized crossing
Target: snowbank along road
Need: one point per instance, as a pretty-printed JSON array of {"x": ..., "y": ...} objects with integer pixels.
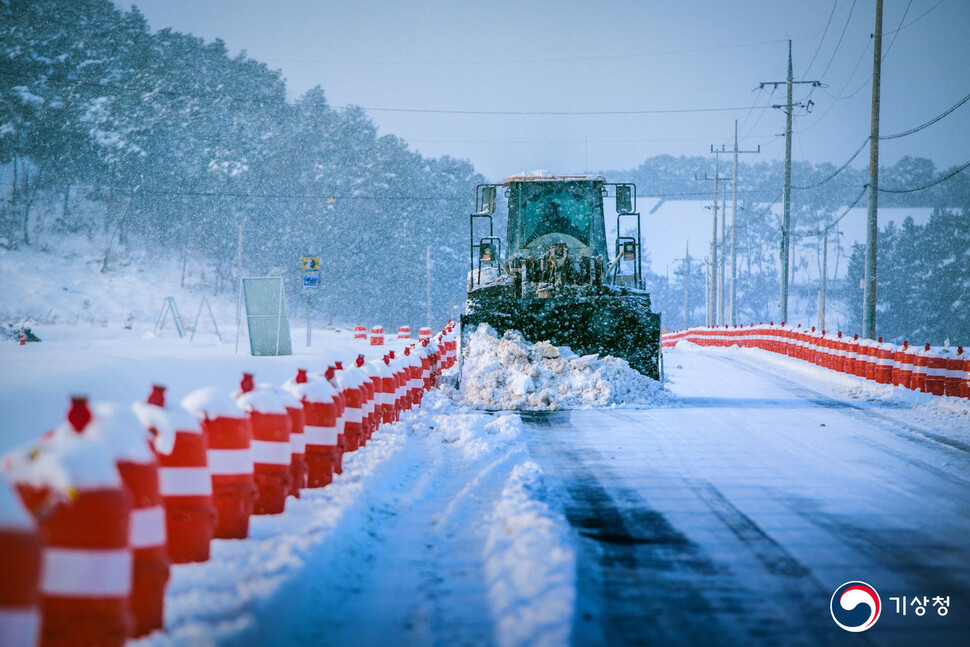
[{"x": 725, "y": 511}]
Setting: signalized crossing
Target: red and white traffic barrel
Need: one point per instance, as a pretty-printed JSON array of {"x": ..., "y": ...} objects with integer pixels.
[
  {"x": 350, "y": 381},
  {"x": 184, "y": 480},
  {"x": 272, "y": 452},
  {"x": 884, "y": 362},
  {"x": 397, "y": 369},
  {"x": 866, "y": 359},
  {"x": 320, "y": 411},
  {"x": 294, "y": 409},
  {"x": 369, "y": 412},
  {"x": 128, "y": 441},
  {"x": 360, "y": 332},
  {"x": 384, "y": 381},
  {"x": 920, "y": 362},
  {"x": 415, "y": 380},
  {"x": 376, "y": 388},
  {"x": 230, "y": 458},
  {"x": 377, "y": 336},
  {"x": 851, "y": 355},
  {"x": 331, "y": 376},
  {"x": 897, "y": 365},
  {"x": 404, "y": 332},
  {"x": 954, "y": 371},
  {"x": 71, "y": 485},
  {"x": 21, "y": 555},
  {"x": 435, "y": 351},
  {"x": 426, "y": 364},
  {"x": 936, "y": 371},
  {"x": 425, "y": 333}
]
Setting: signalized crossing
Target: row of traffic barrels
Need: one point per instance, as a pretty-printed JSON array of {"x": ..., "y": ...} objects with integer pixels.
[
  {"x": 94, "y": 513},
  {"x": 939, "y": 370}
]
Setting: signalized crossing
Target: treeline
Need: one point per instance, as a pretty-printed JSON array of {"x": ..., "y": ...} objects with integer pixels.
[
  {"x": 922, "y": 281},
  {"x": 935, "y": 308},
  {"x": 180, "y": 143}
]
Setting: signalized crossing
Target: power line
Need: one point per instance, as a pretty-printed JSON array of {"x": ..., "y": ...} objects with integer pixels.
[
  {"x": 836, "y": 172},
  {"x": 821, "y": 40},
  {"x": 928, "y": 123},
  {"x": 819, "y": 232},
  {"x": 546, "y": 113},
  {"x": 926, "y": 186},
  {"x": 573, "y": 59},
  {"x": 841, "y": 36},
  {"x": 915, "y": 20}
]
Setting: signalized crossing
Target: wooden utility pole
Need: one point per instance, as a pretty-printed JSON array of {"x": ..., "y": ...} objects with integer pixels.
[
  {"x": 734, "y": 220},
  {"x": 712, "y": 293},
  {"x": 789, "y": 108},
  {"x": 872, "y": 220},
  {"x": 687, "y": 287}
]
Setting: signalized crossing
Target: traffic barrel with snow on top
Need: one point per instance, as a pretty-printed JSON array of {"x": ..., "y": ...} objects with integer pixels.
[
  {"x": 426, "y": 364},
  {"x": 375, "y": 409},
  {"x": 425, "y": 333},
  {"x": 350, "y": 382},
  {"x": 884, "y": 362},
  {"x": 852, "y": 348},
  {"x": 369, "y": 418},
  {"x": 128, "y": 440},
  {"x": 839, "y": 346},
  {"x": 902, "y": 365},
  {"x": 330, "y": 375},
  {"x": 920, "y": 362},
  {"x": 21, "y": 555},
  {"x": 417, "y": 374},
  {"x": 184, "y": 479},
  {"x": 377, "y": 336},
  {"x": 404, "y": 332},
  {"x": 866, "y": 359},
  {"x": 954, "y": 372},
  {"x": 384, "y": 381},
  {"x": 400, "y": 382},
  {"x": 936, "y": 371},
  {"x": 272, "y": 452},
  {"x": 71, "y": 485},
  {"x": 360, "y": 332},
  {"x": 294, "y": 409},
  {"x": 230, "y": 458},
  {"x": 320, "y": 411}
]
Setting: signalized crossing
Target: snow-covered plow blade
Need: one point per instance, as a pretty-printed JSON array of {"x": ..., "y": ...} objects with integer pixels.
[{"x": 621, "y": 326}]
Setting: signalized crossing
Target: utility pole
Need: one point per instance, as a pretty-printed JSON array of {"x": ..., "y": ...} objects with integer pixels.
[
  {"x": 712, "y": 296},
  {"x": 687, "y": 287},
  {"x": 427, "y": 321},
  {"x": 789, "y": 108},
  {"x": 825, "y": 270},
  {"x": 872, "y": 220},
  {"x": 734, "y": 220}
]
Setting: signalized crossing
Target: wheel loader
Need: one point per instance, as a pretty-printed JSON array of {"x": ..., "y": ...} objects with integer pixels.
[{"x": 552, "y": 277}]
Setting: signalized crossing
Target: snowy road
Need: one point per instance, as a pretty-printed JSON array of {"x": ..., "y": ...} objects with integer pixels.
[{"x": 733, "y": 518}]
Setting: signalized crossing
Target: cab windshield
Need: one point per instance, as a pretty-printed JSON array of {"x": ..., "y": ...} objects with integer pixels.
[{"x": 557, "y": 213}]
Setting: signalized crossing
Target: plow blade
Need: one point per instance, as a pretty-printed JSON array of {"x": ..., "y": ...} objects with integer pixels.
[{"x": 621, "y": 326}]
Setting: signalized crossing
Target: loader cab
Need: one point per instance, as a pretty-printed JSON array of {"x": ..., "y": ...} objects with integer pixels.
[
  {"x": 552, "y": 218},
  {"x": 544, "y": 212}
]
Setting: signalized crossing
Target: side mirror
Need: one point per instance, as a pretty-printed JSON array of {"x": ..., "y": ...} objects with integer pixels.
[
  {"x": 624, "y": 198},
  {"x": 487, "y": 206}
]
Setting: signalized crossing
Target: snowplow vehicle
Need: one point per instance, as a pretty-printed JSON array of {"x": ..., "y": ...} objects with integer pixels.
[{"x": 552, "y": 279}]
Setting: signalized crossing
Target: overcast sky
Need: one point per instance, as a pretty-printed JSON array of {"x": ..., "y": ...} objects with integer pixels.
[{"x": 707, "y": 57}]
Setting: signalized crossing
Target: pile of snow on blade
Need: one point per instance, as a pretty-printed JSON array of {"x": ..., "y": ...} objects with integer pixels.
[{"x": 510, "y": 373}]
